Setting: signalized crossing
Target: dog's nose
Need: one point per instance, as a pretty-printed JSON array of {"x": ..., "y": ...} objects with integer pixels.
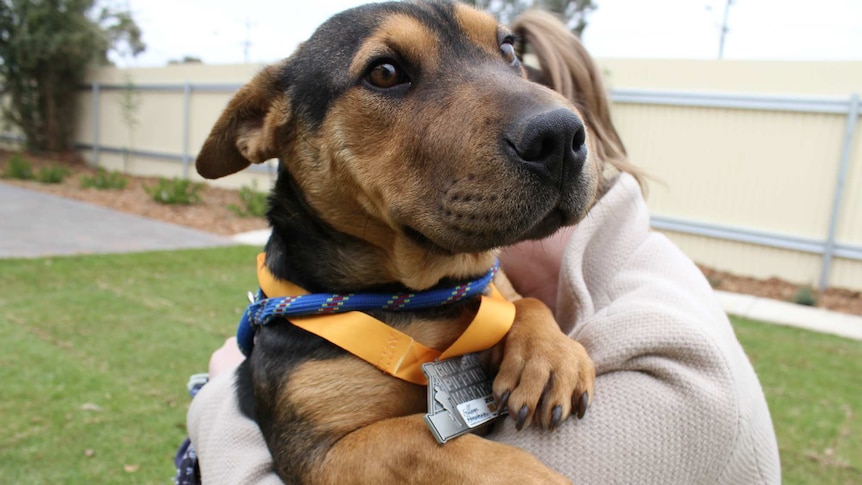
[{"x": 550, "y": 144}]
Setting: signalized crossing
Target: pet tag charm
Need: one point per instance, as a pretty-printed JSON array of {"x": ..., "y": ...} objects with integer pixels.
[{"x": 460, "y": 397}]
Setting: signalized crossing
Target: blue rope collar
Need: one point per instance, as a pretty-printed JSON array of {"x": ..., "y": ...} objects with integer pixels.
[{"x": 263, "y": 310}]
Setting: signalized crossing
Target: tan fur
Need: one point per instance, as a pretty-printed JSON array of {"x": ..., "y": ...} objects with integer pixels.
[
  {"x": 311, "y": 384},
  {"x": 505, "y": 287},
  {"x": 313, "y": 392},
  {"x": 402, "y": 34},
  {"x": 401, "y": 451},
  {"x": 477, "y": 26}
]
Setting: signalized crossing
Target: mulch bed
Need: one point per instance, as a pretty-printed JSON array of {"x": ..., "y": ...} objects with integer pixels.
[{"x": 836, "y": 299}]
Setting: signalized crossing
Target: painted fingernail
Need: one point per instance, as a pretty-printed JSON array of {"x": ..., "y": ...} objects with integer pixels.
[
  {"x": 522, "y": 417},
  {"x": 556, "y": 417},
  {"x": 582, "y": 404},
  {"x": 504, "y": 400}
]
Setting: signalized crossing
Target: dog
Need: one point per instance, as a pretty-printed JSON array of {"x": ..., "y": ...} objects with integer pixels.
[{"x": 413, "y": 144}]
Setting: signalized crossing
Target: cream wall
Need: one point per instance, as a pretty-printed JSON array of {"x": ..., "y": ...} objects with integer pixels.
[
  {"x": 762, "y": 170},
  {"x": 769, "y": 171}
]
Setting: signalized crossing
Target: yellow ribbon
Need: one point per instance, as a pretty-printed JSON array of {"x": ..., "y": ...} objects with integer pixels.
[{"x": 386, "y": 348}]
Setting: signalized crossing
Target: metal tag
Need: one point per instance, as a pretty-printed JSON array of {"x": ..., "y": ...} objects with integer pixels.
[{"x": 460, "y": 397}]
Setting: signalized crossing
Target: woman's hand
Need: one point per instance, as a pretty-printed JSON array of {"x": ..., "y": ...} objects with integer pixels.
[
  {"x": 225, "y": 358},
  {"x": 533, "y": 267}
]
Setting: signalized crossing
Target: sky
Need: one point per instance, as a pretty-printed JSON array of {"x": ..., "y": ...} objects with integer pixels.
[{"x": 231, "y": 31}]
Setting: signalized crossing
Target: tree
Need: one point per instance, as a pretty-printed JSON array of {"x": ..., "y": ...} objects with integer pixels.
[
  {"x": 185, "y": 60},
  {"x": 46, "y": 47},
  {"x": 573, "y": 12}
]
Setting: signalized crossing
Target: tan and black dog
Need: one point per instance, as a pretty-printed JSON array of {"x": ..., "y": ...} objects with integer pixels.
[{"x": 412, "y": 146}]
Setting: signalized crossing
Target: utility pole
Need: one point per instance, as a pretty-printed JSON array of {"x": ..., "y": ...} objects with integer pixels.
[
  {"x": 247, "y": 44},
  {"x": 724, "y": 29}
]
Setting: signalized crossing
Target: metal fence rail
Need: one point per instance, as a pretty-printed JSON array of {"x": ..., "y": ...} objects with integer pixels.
[{"x": 827, "y": 246}]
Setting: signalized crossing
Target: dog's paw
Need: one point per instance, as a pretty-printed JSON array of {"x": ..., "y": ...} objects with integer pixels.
[{"x": 544, "y": 375}]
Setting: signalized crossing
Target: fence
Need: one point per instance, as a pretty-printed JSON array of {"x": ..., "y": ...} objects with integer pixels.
[
  {"x": 754, "y": 184},
  {"x": 778, "y": 176}
]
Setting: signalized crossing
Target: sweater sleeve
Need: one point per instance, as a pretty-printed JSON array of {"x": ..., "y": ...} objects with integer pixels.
[
  {"x": 229, "y": 445},
  {"x": 664, "y": 410},
  {"x": 677, "y": 401}
]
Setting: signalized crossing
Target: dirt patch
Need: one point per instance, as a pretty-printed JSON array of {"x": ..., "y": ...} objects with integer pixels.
[
  {"x": 212, "y": 215},
  {"x": 836, "y": 299}
]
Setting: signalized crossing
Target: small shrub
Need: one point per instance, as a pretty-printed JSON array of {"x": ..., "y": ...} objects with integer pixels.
[
  {"x": 253, "y": 203},
  {"x": 19, "y": 168},
  {"x": 805, "y": 296},
  {"x": 175, "y": 191},
  {"x": 52, "y": 174},
  {"x": 104, "y": 180}
]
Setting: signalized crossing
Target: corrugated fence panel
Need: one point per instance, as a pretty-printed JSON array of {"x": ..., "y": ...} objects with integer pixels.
[
  {"x": 846, "y": 274},
  {"x": 750, "y": 259},
  {"x": 850, "y": 221},
  {"x": 770, "y": 171},
  {"x": 159, "y": 117},
  {"x": 206, "y": 106}
]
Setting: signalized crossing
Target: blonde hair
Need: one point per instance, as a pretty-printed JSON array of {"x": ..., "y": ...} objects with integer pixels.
[{"x": 567, "y": 67}]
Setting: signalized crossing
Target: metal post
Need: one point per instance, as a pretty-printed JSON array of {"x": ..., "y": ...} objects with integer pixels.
[
  {"x": 724, "y": 30},
  {"x": 96, "y": 115},
  {"x": 843, "y": 169},
  {"x": 187, "y": 96}
]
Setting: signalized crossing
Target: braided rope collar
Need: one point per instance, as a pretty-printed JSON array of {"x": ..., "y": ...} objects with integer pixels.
[{"x": 263, "y": 311}]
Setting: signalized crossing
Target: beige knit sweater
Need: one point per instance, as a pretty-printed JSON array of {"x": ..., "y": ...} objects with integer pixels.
[{"x": 677, "y": 401}]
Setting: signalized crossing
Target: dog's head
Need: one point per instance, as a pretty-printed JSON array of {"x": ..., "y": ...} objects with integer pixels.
[{"x": 412, "y": 127}]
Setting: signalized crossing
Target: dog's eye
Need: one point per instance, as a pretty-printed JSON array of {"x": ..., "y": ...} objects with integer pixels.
[
  {"x": 507, "y": 48},
  {"x": 386, "y": 75}
]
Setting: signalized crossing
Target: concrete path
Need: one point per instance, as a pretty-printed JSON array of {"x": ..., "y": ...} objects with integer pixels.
[
  {"x": 791, "y": 314},
  {"x": 35, "y": 224}
]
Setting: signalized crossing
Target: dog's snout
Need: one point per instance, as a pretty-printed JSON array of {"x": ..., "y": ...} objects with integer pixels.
[{"x": 550, "y": 144}]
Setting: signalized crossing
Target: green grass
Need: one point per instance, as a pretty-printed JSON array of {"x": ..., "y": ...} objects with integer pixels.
[
  {"x": 95, "y": 352},
  {"x": 94, "y": 355},
  {"x": 813, "y": 383}
]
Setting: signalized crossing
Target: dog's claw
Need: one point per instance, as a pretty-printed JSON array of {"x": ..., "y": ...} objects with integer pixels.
[
  {"x": 556, "y": 417},
  {"x": 504, "y": 400},
  {"x": 582, "y": 404},
  {"x": 522, "y": 417}
]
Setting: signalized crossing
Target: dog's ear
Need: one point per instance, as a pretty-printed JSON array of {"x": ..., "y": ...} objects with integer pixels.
[{"x": 252, "y": 128}]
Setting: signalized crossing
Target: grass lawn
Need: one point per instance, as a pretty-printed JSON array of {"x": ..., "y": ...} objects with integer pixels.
[
  {"x": 813, "y": 383},
  {"x": 95, "y": 352}
]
